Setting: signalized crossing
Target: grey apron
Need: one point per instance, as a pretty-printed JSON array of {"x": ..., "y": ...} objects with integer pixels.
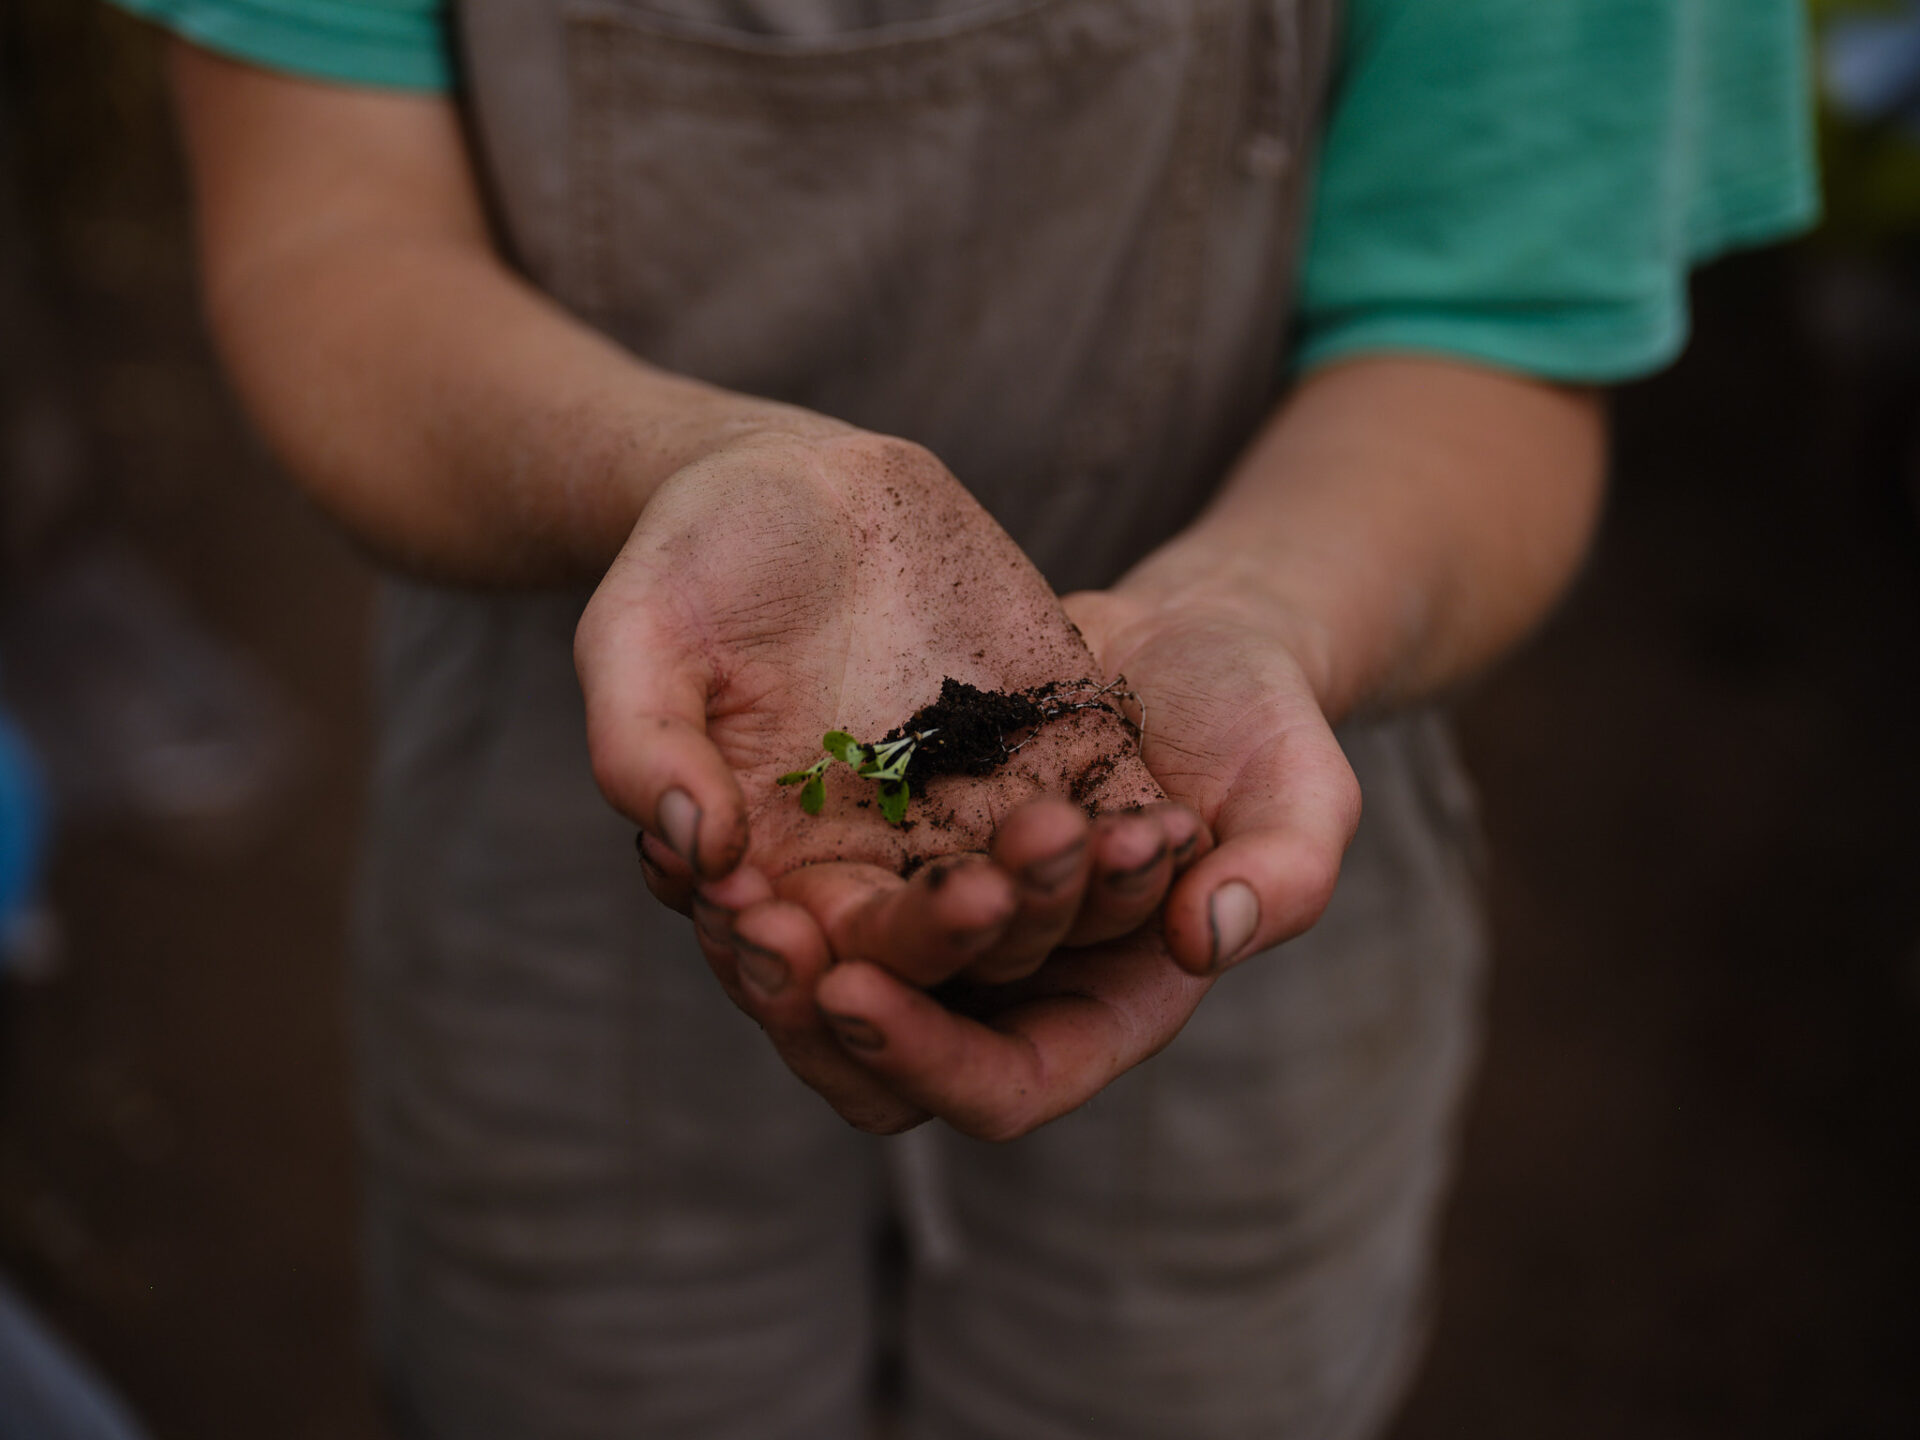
[{"x": 1055, "y": 241}]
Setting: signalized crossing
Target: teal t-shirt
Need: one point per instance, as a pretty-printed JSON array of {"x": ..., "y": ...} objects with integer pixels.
[{"x": 1519, "y": 182}]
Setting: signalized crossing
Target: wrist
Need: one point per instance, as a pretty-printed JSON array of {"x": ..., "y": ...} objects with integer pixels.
[
  {"x": 1192, "y": 583},
  {"x": 745, "y": 422},
  {"x": 644, "y": 443}
]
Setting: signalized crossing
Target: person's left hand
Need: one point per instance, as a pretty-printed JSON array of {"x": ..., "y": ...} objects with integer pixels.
[{"x": 1235, "y": 731}]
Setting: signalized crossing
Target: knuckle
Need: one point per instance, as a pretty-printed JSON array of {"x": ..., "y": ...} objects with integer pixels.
[
  {"x": 997, "y": 1127},
  {"x": 731, "y": 847},
  {"x": 675, "y": 895},
  {"x": 885, "y": 1121},
  {"x": 1005, "y": 970},
  {"x": 1352, "y": 802},
  {"x": 890, "y": 451},
  {"x": 588, "y": 641},
  {"x": 615, "y": 773},
  {"x": 888, "y": 457},
  {"x": 1310, "y": 880},
  {"x": 1320, "y": 874}
]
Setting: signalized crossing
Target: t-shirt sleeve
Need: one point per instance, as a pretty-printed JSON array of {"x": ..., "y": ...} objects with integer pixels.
[
  {"x": 1527, "y": 184},
  {"x": 394, "y": 44}
]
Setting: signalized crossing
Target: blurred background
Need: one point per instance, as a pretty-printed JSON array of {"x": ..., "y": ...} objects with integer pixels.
[{"x": 1689, "y": 1200}]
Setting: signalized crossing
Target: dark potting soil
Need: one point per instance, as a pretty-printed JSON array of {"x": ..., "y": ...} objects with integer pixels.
[{"x": 972, "y": 729}]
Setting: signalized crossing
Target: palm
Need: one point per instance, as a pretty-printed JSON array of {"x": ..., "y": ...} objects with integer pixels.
[{"x": 834, "y": 588}]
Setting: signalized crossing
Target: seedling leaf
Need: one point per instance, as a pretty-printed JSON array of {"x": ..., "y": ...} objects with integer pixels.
[
  {"x": 800, "y": 777},
  {"x": 843, "y": 747},
  {"x": 885, "y": 764}
]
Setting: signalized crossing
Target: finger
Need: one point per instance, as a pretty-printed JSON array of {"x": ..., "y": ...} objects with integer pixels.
[
  {"x": 780, "y": 956},
  {"x": 1133, "y": 863},
  {"x": 713, "y": 909},
  {"x": 1188, "y": 837},
  {"x": 924, "y": 930},
  {"x": 1079, "y": 887},
  {"x": 1043, "y": 847},
  {"x": 1282, "y": 832},
  {"x": 646, "y": 699},
  {"x": 768, "y": 957},
  {"x": 1105, "y": 1012},
  {"x": 668, "y": 877}
]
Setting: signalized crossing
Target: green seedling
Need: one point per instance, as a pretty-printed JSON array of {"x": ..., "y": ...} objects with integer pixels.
[{"x": 884, "y": 763}]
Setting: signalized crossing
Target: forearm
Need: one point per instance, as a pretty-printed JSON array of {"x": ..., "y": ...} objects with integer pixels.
[
  {"x": 454, "y": 419},
  {"x": 1399, "y": 523},
  {"x": 455, "y": 422}
]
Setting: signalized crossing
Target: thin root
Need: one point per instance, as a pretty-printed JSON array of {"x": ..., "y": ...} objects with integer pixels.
[{"x": 1095, "y": 700}]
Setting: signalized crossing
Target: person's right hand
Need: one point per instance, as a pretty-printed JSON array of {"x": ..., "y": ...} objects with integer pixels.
[{"x": 788, "y": 584}]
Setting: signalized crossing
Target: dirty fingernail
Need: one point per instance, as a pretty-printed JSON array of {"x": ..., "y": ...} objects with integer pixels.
[
  {"x": 715, "y": 922},
  {"x": 655, "y": 853},
  {"x": 765, "y": 968},
  {"x": 679, "y": 820},
  {"x": 938, "y": 872},
  {"x": 1233, "y": 914},
  {"x": 1054, "y": 871},
  {"x": 1131, "y": 877},
  {"x": 860, "y": 1034}
]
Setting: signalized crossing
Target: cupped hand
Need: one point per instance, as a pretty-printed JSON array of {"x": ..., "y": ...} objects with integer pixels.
[
  {"x": 994, "y": 1061},
  {"x": 789, "y": 584},
  {"x": 1237, "y": 733}
]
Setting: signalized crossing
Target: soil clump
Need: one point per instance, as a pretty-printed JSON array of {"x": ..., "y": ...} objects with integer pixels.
[{"x": 970, "y": 731}]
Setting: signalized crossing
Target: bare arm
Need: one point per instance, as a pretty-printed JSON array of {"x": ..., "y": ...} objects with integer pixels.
[
  {"x": 1400, "y": 523},
  {"x": 453, "y": 418},
  {"x": 1402, "y": 520}
]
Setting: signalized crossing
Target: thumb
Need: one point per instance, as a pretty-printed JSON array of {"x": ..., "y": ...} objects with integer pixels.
[
  {"x": 1098, "y": 615},
  {"x": 1283, "y": 828},
  {"x": 646, "y": 692}
]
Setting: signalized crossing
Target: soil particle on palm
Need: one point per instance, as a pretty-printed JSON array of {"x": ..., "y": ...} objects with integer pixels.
[{"x": 1088, "y": 782}]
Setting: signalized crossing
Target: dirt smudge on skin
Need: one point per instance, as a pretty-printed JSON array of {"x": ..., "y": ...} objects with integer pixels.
[{"x": 1088, "y": 782}]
